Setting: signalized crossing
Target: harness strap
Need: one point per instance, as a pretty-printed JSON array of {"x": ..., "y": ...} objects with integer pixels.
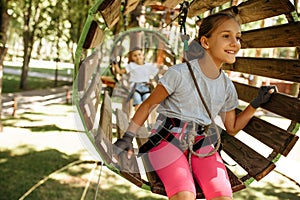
[
  {"x": 154, "y": 140},
  {"x": 165, "y": 133},
  {"x": 142, "y": 93}
]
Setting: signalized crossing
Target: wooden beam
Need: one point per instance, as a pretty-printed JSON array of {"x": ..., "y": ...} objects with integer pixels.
[
  {"x": 281, "y": 104},
  {"x": 274, "y": 137},
  {"x": 103, "y": 138},
  {"x": 130, "y": 6},
  {"x": 255, "y": 164},
  {"x": 283, "y": 69},
  {"x": 110, "y": 10},
  {"x": 254, "y": 10},
  {"x": 86, "y": 70},
  {"x": 122, "y": 122},
  {"x": 249, "y": 11},
  {"x": 94, "y": 36},
  {"x": 286, "y": 35},
  {"x": 235, "y": 182},
  {"x": 163, "y": 3},
  {"x": 199, "y": 7},
  {"x": 89, "y": 102}
]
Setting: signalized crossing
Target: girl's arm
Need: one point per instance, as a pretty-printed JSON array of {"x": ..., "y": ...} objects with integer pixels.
[
  {"x": 234, "y": 123},
  {"x": 118, "y": 69}
]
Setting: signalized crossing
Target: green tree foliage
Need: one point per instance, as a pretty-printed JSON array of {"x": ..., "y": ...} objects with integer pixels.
[{"x": 55, "y": 22}]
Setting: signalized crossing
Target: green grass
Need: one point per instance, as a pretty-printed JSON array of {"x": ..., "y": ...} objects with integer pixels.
[
  {"x": 42, "y": 142},
  {"x": 11, "y": 83},
  {"x": 36, "y": 144},
  {"x": 61, "y": 71}
]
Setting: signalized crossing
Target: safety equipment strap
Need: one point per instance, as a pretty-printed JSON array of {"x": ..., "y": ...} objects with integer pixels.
[{"x": 209, "y": 114}]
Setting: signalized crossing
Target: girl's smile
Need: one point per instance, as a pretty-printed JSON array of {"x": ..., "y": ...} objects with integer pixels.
[{"x": 224, "y": 42}]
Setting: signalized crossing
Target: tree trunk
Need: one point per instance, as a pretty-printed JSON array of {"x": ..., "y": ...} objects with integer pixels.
[
  {"x": 25, "y": 67},
  {"x": 28, "y": 40},
  {"x": 4, "y": 19}
]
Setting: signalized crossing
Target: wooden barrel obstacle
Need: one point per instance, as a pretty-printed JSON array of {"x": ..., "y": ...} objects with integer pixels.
[{"x": 87, "y": 92}]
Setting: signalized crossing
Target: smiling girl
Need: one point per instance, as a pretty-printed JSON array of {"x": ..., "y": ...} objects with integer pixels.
[{"x": 180, "y": 106}]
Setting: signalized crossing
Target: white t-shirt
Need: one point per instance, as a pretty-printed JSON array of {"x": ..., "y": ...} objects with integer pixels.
[
  {"x": 141, "y": 73},
  {"x": 184, "y": 102}
]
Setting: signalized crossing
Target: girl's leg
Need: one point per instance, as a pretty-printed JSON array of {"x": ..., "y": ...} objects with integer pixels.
[
  {"x": 137, "y": 98},
  {"x": 211, "y": 174},
  {"x": 173, "y": 169}
]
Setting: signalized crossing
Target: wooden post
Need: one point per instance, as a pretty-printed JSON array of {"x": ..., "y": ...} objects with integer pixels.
[
  {"x": 68, "y": 96},
  {"x": 15, "y": 105}
]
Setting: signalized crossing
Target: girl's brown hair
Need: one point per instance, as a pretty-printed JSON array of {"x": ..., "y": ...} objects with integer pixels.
[
  {"x": 208, "y": 25},
  {"x": 131, "y": 51},
  {"x": 211, "y": 22}
]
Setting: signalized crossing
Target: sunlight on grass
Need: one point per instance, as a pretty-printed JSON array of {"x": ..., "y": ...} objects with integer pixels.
[
  {"x": 39, "y": 142},
  {"x": 11, "y": 83}
]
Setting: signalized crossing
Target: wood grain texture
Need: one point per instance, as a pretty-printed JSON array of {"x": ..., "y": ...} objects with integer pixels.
[
  {"x": 280, "y": 104},
  {"x": 254, "y": 10},
  {"x": 274, "y": 137},
  {"x": 199, "y": 7},
  {"x": 286, "y": 35},
  {"x": 110, "y": 10},
  {"x": 255, "y": 164},
  {"x": 86, "y": 70},
  {"x": 283, "y": 69},
  {"x": 103, "y": 138},
  {"x": 89, "y": 102}
]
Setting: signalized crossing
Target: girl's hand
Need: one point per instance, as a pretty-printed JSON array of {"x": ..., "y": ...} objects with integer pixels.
[
  {"x": 124, "y": 144},
  {"x": 263, "y": 96}
]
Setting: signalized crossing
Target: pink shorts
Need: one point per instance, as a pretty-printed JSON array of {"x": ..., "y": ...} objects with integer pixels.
[{"x": 173, "y": 168}]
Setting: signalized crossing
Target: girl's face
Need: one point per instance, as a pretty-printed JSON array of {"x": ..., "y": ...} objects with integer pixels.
[
  {"x": 137, "y": 57},
  {"x": 224, "y": 42}
]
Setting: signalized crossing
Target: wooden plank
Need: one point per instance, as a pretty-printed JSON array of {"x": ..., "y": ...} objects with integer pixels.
[
  {"x": 106, "y": 116},
  {"x": 281, "y": 104},
  {"x": 276, "y": 138},
  {"x": 103, "y": 138},
  {"x": 236, "y": 183},
  {"x": 89, "y": 102},
  {"x": 128, "y": 167},
  {"x": 156, "y": 184},
  {"x": 254, "y": 10},
  {"x": 130, "y": 6},
  {"x": 122, "y": 122},
  {"x": 164, "y": 3},
  {"x": 129, "y": 170},
  {"x": 286, "y": 35},
  {"x": 94, "y": 36},
  {"x": 199, "y": 7},
  {"x": 171, "y": 3},
  {"x": 87, "y": 68},
  {"x": 255, "y": 164},
  {"x": 110, "y": 10},
  {"x": 283, "y": 69}
]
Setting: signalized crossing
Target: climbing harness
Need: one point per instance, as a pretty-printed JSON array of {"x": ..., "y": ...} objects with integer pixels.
[{"x": 166, "y": 128}]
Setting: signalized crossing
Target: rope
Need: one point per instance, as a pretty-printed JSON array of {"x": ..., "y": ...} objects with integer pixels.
[
  {"x": 98, "y": 182},
  {"x": 191, "y": 137},
  {"x": 181, "y": 16},
  {"x": 210, "y": 116},
  {"x": 89, "y": 181},
  {"x": 50, "y": 175}
]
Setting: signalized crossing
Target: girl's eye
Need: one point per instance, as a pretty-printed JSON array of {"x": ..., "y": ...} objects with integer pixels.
[{"x": 226, "y": 36}]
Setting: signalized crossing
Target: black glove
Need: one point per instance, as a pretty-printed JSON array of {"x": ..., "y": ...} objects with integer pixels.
[
  {"x": 262, "y": 97},
  {"x": 113, "y": 60},
  {"x": 124, "y": 143}
]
